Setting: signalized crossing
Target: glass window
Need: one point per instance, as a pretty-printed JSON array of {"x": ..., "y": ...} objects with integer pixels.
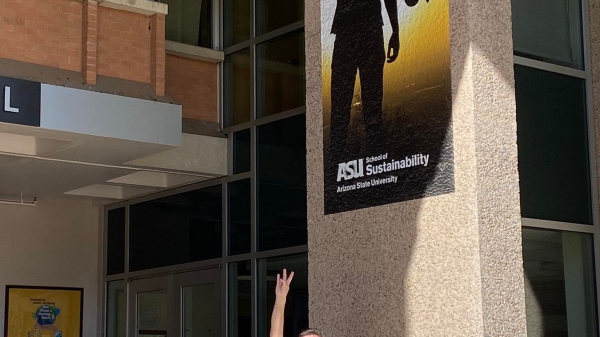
[
  {"x": 189, "y": 22},
  {"x": 274, "y": 14},
  {"x": 237, "y": 87},
  {"x": 239, "y": 217},
  {"x": 236, "y": 21},
  {"x": 559, "y": 283},
  {"x": 549, "y": 31},
  {"x": 241, "y": 151},
  {"x": 296, "y": 318},
  {"x": 115, "y": 250},
  {"x": 240, "y": 301},
  {"x": 282, "y": 183},
  {"x": 280, "y": 75},
  {"x": 116, "y": 309},
  {"x": 553, "y": 148},
  {"x": 177, "y": 229}
]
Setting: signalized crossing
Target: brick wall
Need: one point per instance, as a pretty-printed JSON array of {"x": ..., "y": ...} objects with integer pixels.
[
  {"x": 193, "y": 84},
  {"x": 123, "y": 45},
  {"x": 95, "y": 40},
  {"x": 46, "y": 32}
]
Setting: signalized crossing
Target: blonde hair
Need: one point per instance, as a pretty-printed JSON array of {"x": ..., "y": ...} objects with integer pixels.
[{"x": 309, "y": 332}]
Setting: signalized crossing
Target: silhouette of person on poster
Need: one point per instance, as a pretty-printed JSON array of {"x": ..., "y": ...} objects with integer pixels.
[{"x": 359, "y": 47}]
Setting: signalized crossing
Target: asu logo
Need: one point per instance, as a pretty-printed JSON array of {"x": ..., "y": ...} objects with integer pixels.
[{"x": 350, "y": 170}]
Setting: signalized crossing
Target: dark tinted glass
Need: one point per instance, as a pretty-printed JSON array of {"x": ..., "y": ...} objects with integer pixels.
[
  {"x": 559, "y": 283},
  {"x": 239, "y": 217},
  {"x": 177, "y": 229},
  {"x": 189, "y": 22},
  {"x": 240, "y": 304},
  {"x": 280, "y": 81},
  {"x": 241, "y": 151},
  {"x": 116, "y": 309},
  {"x": 115, "y": 250},
  {"x": 296, "y": 318},
  {"x": 548, "y": 31},
  {"x": 282, "y": 183},
  {"x": 237, "y": 87},
  {"x": 553, "y": 149},
  {"x": 236, "y": 21},
  {"x": 274, "y": 14}
]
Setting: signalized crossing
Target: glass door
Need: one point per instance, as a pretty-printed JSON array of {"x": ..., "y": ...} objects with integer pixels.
[
  {"x": 199, "y": 308},
  {"x": 183, "y": 305},
  {"x": 150, "y": 303}
]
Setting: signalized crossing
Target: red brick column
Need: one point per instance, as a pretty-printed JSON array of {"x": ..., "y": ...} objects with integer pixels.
[
  {"x": 157, "y": 48},
  {"x": 90, "y": 41}
]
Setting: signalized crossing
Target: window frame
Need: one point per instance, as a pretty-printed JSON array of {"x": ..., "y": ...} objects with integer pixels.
[
  {"x": 222, "y": 263},
  {"x": 586, "y": 75}
]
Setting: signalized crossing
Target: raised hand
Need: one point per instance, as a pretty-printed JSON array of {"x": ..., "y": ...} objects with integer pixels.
[
  {"x": 283, "y": 284},
  {"x": 281, "y": 290}
]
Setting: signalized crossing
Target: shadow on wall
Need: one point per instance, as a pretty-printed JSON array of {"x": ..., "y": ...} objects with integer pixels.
[{"x": 363, "y": 274}]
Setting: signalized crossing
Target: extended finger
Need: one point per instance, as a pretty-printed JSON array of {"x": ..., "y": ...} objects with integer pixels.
[
  {"x": 284, "y": 275},
  {"x": 289, "y": 280},
  {"x": 278, "y": 278}
]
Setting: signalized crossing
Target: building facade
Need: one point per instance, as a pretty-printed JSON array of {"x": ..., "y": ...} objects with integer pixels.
[{"x": 167, "y": 159}]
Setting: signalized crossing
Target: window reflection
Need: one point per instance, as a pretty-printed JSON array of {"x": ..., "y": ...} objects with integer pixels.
[
  {"x": 240, "y": 304},
  {"x": 239, "y": 217},
  {"x": 237, "y": 87},
  {"x": 241, "y": 151},
  {"x": 236, "y": 21},
  {"x": 280, "y": 75},
  {"x": 177, "y": 229},
  {"x": 553, "y": 146},
  {"x": 274, "y": 14},
  {"x": 189, "y": 22},
  {"x": 548, "y": 31},
  {"x": 559, "y": 283},
  {"x": 282, "y": 183},
  {"x": 115, "y": 250}
]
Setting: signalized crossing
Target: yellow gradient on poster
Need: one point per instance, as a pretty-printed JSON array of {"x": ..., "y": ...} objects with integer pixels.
[
  {"x": 44, "y": 313},
  {"x": 424, "y": 59}
]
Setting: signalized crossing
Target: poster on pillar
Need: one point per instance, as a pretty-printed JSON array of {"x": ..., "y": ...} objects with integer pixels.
[
  {"x": 43, "y": 312},
  {"x": 387, "y": 102}
]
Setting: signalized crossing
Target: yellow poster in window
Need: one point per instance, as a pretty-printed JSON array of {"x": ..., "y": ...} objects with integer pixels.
[{"x": 43, "y": 312}]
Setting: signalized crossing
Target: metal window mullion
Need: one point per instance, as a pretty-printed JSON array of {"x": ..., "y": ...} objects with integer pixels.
[
  {"x": 265, "y": 120},
  {"x": 127, "y": 288},
  {"x": 557, "y": 226},
  {"x": 527, "y": 62},
  {"x": 253, "y": 178},
  {"x": 224, "y": 253},
  {"x": 291, "y": 28},
  {"x": 585, "y": 27},
  {"x": 230, "y": 148},
  {"x": 104, "y": 265},
  {"x": 253, "y": 230},
  {"x": 237, "y": 177}
]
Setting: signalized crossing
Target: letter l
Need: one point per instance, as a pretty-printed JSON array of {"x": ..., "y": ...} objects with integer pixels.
[{"x": 7, "y": 106}]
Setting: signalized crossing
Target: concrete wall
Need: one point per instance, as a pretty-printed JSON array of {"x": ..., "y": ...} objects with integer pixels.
[
  {"x": 442, "y": 266},
  {"x": 53, "y": 244}
]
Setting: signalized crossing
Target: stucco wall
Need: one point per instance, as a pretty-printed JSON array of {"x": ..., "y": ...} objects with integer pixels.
[
  {"x": 442, "y": 266},
  {"x": 52, "y": 244}
]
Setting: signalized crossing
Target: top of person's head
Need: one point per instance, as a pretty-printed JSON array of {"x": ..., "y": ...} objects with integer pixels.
[{"x": 311, "y": 333}]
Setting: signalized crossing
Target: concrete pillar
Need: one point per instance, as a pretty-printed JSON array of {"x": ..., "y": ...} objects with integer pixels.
[{"x": 449, "y": 265}]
